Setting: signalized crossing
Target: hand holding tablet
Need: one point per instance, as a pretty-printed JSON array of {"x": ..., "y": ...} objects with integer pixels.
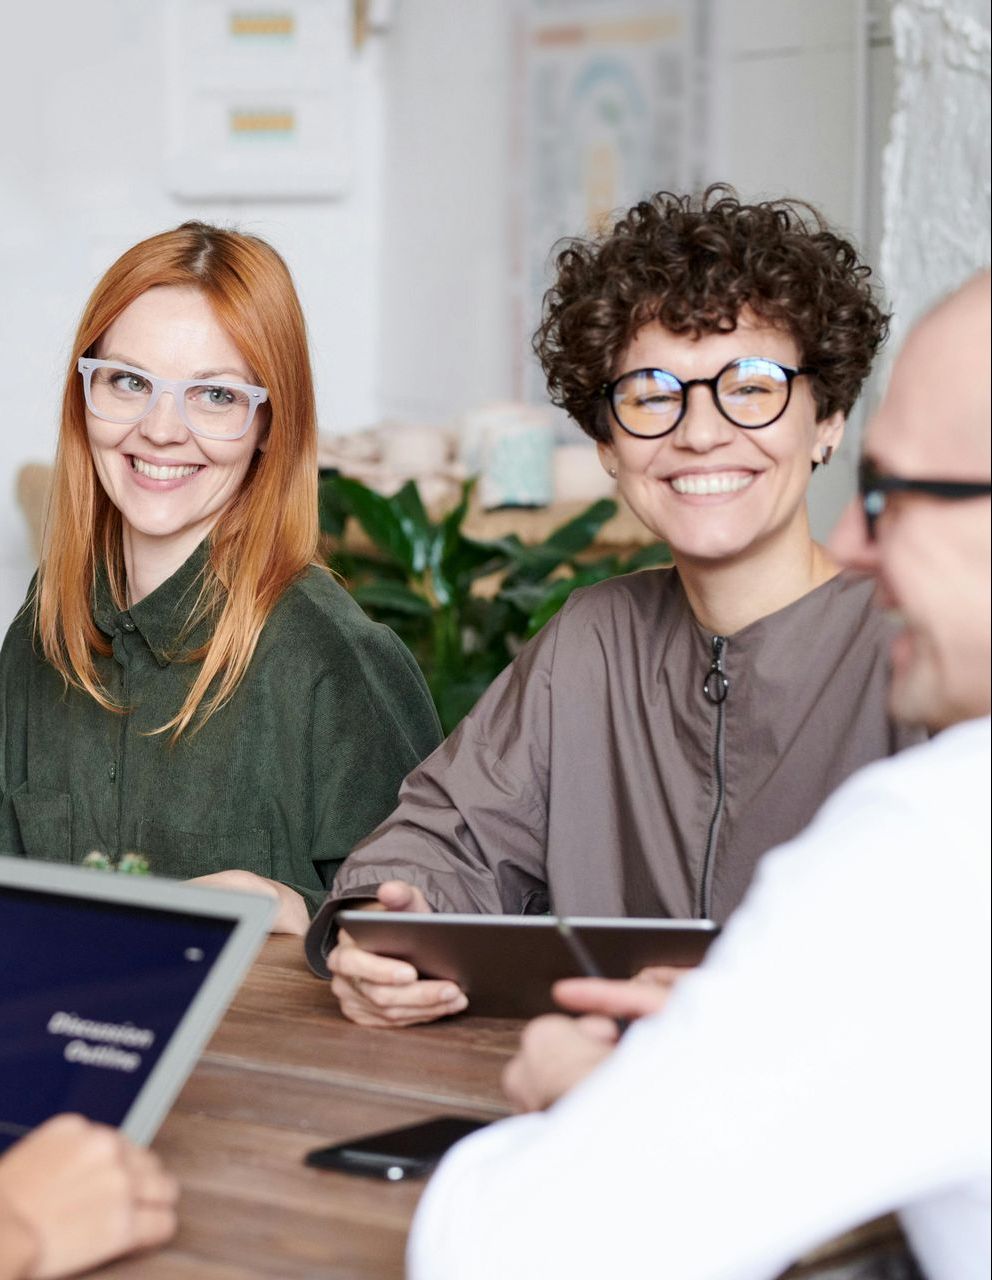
[
  {"x": 377, "y": 990},
  {"x": 505, "y": 965}
]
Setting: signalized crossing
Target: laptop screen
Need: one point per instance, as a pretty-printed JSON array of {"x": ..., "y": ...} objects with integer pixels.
[{"x": 91, "y": 992}]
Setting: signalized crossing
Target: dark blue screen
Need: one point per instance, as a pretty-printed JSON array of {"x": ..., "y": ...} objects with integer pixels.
[{"x": 90, "y": 993}]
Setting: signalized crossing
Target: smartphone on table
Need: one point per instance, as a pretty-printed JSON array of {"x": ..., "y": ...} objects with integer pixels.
[{"x": 410, "y": 1152}]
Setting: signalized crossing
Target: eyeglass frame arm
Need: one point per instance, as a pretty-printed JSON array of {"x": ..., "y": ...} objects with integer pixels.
[
  {"x": 934, "y": 488},
  {"x": 874, "y": 487}
]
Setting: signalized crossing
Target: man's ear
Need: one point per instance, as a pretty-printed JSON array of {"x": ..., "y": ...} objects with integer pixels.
[{"x": 826, "y": 441}]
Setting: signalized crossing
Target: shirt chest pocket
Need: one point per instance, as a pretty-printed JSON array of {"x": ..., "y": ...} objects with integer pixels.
[
  {"x": 44, "y": 822},
  {"x": 172, "y": 851}
]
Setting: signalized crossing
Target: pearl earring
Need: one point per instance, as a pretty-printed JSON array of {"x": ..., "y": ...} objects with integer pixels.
[{"x": 613, "y": 473}]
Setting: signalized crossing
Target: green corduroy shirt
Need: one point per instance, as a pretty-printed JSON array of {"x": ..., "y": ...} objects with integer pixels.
[{"x": 301, "y": 763}]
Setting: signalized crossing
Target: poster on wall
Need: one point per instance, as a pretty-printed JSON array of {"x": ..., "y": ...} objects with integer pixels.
[
  {"x": 259, "y": 98},
  {"x": 611, "y": 101}
]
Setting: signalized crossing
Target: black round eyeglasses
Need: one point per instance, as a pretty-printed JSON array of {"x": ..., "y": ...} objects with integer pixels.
[{"x": 750, "y": 392}]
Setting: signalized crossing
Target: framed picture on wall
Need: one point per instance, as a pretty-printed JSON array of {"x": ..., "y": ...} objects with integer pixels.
[
  {"x": 260, "y": 98},
  {"x": 611, "y": 105}
]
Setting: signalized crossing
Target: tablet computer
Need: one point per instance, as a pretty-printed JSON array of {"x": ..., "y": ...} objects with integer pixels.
[
  {"x": 507, "y": 964},
  {"x": 110, "y": 986}
]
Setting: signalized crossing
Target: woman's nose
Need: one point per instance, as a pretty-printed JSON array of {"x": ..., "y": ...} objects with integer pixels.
[
  {"x": 703, "y": 426},
  {"x": 164, "y": 424}
]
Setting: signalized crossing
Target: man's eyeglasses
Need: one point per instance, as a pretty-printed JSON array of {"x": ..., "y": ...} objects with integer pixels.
[
  {"x": 875, "y": 487},
  {"x": 751, "y": 392},
  {"x": 122, "y": 394}
]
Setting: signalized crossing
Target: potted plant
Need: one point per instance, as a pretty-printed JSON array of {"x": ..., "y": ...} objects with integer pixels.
[{"x": 425, "y": 581}]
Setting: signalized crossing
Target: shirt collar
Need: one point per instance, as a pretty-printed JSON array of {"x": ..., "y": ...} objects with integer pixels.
[{"x": 161, "y": 617}]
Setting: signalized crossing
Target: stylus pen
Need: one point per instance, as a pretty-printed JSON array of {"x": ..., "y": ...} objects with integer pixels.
[{"x": 582, "y": 957}]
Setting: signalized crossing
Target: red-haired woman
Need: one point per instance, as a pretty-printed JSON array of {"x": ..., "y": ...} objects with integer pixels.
[{"x": 186, "y": 680}]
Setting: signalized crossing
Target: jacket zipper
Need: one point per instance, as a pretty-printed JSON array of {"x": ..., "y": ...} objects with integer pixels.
[{"x": 716, "y": 686}]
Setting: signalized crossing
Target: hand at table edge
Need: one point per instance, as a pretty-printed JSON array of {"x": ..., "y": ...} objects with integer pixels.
[
  {"x": 292, "y": 915},
  {"x": 84, "y": 1194}
]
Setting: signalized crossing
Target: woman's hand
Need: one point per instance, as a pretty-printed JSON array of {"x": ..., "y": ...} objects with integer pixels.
[
  {"x": 84, "y": 1194},
  {"x": 375, "y": 991},
  {"x": 292, "y": 916}
]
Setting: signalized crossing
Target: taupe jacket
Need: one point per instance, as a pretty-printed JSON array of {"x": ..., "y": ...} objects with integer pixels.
[{"x": 631, "y": 763}]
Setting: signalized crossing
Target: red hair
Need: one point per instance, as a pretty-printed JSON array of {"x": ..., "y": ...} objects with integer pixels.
[{"x": 268, "y": 534}]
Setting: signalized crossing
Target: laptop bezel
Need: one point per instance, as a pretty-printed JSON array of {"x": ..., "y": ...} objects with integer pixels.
[{"x": 252, "y": 914}]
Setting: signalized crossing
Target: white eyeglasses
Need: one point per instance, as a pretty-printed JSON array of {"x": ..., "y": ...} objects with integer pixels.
[{"x": 122, "y": 394}]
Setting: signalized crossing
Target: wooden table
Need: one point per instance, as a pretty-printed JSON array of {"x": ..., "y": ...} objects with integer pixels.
[{"x": 284, "y": 1073}]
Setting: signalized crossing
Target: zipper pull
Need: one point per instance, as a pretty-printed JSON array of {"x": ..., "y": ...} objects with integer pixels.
[{"x": 716, "y": 685}]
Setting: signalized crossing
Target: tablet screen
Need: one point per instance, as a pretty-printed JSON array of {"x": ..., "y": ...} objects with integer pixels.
[{"x": 90, "y": 994}]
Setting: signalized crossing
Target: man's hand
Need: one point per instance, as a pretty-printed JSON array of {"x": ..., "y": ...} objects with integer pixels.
[
  {"x": 625, "y": 998},
  {"x": 375, "y": 991},
  {"x": 292, "y": 916},
  {"x": 555, "y": 1054},
  {"x": 86, "y": 1194}
]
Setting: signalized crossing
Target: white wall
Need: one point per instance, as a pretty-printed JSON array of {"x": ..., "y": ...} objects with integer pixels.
[
  {"x": 445, "y": 333},
  {"x": 801, "y": 98},
  {"x": 937, "y": 233},
  {"x": 408, "y": 280},
  {"x": 82, "y": 178}
]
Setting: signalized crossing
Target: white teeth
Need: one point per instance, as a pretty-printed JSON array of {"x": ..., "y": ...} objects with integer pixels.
[
  {"x": 713, "y": 482},
  {"x": 161, "y": 473}
]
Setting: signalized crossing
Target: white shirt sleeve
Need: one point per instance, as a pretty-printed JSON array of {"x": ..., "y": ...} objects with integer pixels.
[{"x": 829, "y": 1062}]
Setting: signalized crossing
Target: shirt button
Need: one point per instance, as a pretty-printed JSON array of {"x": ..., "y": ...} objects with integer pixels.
[
  {"x": 126, "y": 623},
  {"x": 113, "y": 772}
]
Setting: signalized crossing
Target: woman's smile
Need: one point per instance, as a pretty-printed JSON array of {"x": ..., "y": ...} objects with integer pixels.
[
  {"x": 723, "y": 483},
  {"x": 160, "y": 475}
]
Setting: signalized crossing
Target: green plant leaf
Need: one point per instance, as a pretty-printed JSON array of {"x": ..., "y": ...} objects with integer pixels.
[
  {"x": 392, "y": 595},
  {"x": 332, "y": 510},
  {"x": 559, "y": 591},
  {"x": 419, "y": 580},
  {"x": 379, "y": 518},
  {"x": 527, "y": 596},
  {"x": 571, "y": 538},
  {"x": 451, "y": 525},
  {"x": 576, "y": 534},
  {"x": 420, "y": 532},
  {"x": 455, "y": 559},
  {"x": 658, "y": 553},
  {"x": 455, "y": 696}
]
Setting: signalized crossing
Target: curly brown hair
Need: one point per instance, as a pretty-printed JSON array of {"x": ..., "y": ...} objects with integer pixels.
[{"x": 692, "y": 264}]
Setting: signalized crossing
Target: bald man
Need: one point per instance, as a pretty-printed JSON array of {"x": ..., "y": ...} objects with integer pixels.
[{"x": 830, "y": 1060}]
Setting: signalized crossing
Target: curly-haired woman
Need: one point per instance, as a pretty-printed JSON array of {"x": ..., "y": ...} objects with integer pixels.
[{"x": 668, "y": 727}]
